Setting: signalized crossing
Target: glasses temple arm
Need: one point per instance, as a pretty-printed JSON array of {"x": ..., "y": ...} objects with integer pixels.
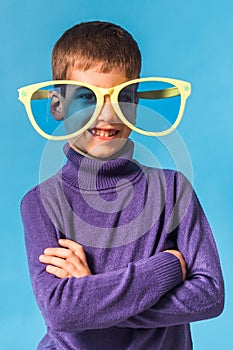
[
  {"x": 41, "y": 95},
  {"x": 157, "y": 94}
]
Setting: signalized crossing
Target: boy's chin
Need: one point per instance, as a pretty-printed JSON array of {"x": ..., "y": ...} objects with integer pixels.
[
  {"x": 107, "y": 151},
  {"x": 103, "y": 151}
]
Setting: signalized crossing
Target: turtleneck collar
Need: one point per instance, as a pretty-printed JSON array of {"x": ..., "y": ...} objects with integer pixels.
[{"x": 91, "y": 174}]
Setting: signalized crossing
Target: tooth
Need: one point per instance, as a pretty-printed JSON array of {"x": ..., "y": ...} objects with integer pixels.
[{"x": 103, "y": 133}]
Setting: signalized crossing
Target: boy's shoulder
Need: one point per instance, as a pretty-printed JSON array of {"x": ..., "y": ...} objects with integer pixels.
[
  {"x": 174, "y": 182},
  {"x": 46, "y": 188},
  {"x": 169, "y": 175}
]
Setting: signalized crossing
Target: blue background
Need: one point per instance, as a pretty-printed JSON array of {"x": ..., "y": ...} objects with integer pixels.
[{"x": 190, "y": 40}]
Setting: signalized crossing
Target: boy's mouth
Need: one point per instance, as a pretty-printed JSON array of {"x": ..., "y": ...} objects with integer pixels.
[{"x": 104, "y": 133}]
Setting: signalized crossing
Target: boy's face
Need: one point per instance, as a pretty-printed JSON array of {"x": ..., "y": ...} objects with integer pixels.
[{"x": 108, "y": 134}]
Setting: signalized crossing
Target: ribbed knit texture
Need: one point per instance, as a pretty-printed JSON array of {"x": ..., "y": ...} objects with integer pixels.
[
  {"x": 90, "y": 175},
  {"x": 125, "y": 215}
]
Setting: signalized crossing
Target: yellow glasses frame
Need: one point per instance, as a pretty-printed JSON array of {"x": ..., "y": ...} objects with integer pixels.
[{"x": 182, "y": 88}]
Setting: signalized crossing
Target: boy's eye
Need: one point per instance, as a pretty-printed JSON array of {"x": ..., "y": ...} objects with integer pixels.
[
  {"x": 87, "y": 96},
  {"x": 84, "y": 95},
  {"x": 126, "y": 97},
  {"x": 128, "y": 94}
]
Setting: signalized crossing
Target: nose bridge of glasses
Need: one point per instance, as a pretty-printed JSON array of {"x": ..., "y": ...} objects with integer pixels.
[
  {"x": 107, "y": 109},
  {"x": 106, "y": 92}
]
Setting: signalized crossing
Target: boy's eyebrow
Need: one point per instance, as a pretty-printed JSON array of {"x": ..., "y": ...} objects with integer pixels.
[{"x": 79, "y": 87}]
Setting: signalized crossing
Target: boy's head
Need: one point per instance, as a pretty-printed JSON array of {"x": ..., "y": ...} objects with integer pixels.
[
  {"x": 105, "y": 55},
  {"x": 89, "y": 44}
]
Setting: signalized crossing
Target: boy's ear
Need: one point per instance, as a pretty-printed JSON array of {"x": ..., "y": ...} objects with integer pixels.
[{"x": 56, "y": 106}]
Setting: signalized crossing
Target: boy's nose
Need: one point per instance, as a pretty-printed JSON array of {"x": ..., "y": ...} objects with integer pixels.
[{"x": 107, "y": 112}]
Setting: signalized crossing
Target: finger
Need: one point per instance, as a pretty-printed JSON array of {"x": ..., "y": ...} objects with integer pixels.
[
  {"x": 63, "y": 253},
  {"x": 68, "y": 243},
  {"x": 56, "y": 271},
  {"x": 75, "y": 247},
  {"x": 59, "y": 252},
  {"x": 69, "y": 266}
]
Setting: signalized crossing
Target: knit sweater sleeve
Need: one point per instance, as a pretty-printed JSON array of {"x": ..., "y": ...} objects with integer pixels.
[
  {"x": 96, "y": 301},
  {"x": 201, "y": 296}
]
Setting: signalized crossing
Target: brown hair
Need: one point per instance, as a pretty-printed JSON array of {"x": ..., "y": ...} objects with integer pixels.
[{"x": 90, "y": 43}]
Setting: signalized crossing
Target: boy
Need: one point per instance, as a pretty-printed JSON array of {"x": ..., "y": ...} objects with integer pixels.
[{"x": 121, "y": 255}]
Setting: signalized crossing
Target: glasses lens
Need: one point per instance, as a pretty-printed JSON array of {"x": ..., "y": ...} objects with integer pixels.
[
  {"x": 63, "y": 109},
  {"x": 151, "y": 106}
]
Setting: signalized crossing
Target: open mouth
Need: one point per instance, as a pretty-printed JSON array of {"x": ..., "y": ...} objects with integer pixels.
[{"x": 106, "y": 133}]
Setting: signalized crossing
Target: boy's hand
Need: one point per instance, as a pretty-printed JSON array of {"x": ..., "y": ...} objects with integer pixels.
[
  {"x": 182, "y": 261},
  {"x": 63, "y": 262}
]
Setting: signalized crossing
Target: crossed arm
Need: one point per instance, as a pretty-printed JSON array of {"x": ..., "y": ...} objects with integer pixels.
[
  {"x": 70, "y": 261},
  {"x": 67, "y": 289}
]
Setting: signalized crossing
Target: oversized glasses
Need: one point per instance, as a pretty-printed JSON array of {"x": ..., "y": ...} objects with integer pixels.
[{"x": 63, "y": 109}]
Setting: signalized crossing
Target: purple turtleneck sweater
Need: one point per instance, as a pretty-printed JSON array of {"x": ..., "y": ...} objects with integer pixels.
[{"x": 125, "y": 215}]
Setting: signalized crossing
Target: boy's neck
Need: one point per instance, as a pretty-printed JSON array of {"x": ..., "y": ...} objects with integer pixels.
[{"x": 87, "y": 173}]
